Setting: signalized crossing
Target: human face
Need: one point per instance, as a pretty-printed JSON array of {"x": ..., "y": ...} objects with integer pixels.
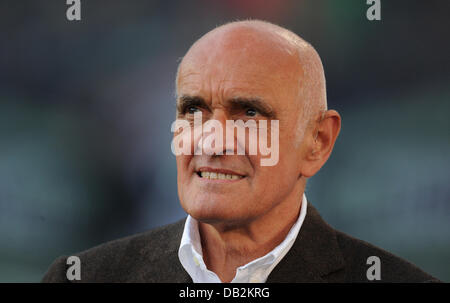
[{"x": 215, "y": 73}]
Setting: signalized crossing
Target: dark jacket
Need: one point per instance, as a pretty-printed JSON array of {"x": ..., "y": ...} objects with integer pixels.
[{"x": 319, "y": 254}]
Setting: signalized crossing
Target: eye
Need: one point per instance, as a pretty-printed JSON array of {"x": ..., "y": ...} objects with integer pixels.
[
  {"x": 191, "y": 109},
  {"x": 251, "y": 112}
]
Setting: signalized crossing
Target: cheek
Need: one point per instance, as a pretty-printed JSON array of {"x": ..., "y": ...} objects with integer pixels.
[
  {"x": 183, "y": 178},
  {"x": 280, "y": 177},
  {"x": 183, "y": 168}
]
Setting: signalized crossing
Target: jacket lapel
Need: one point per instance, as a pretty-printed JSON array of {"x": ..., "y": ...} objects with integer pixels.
[
  {"x": 315, "y": 255},
  {"x": 161, "y": 263}
]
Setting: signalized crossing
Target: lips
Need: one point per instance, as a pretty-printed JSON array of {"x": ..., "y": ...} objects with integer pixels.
[{"x": 218, "y": 174}]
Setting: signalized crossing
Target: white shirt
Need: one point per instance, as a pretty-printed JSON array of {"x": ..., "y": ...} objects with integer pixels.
[{"x": 191, "y": 255}]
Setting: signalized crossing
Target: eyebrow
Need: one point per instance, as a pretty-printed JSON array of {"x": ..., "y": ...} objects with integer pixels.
[
  {"x": 243, "y": 102},
  {"x": 185, "y": 101}
]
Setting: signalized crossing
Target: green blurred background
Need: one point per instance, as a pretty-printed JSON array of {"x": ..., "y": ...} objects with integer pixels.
[{"x": 86, "y": 109}]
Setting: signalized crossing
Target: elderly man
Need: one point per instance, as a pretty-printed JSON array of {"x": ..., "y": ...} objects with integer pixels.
[{"x": 248, "y": 222}]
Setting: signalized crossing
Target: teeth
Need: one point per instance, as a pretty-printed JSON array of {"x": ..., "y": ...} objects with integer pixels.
[{"x": 218, "y": 176}]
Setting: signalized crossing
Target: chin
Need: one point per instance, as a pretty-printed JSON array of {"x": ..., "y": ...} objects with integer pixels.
[{"x": 214, "y": 212}]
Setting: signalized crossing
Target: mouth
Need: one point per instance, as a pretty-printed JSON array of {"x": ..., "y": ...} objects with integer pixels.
[{"x": 208, "y": 173}]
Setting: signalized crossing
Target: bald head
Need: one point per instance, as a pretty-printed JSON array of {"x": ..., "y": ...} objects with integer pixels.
[{"x": 266, "y": 48}]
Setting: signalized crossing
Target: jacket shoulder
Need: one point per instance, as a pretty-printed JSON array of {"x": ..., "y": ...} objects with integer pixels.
[
  {"x": 121, "y": 259},
  {"x": 392, "y": 268}
]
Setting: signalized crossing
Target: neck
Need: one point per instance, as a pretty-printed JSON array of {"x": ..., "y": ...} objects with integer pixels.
[{"x": 225, "y": 248}]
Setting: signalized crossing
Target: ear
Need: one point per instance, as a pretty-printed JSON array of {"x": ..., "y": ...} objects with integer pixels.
[{"x": 320, "y": 142}]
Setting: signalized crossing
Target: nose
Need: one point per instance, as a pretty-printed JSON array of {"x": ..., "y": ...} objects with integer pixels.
[{"x": 213, "y": 140}]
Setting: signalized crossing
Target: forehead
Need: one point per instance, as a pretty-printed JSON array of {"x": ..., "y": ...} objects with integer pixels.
[{"x": 239, "y": 63}]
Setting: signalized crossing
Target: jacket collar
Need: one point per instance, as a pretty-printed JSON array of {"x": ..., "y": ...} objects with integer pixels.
[{"x": 315, "y": 255}]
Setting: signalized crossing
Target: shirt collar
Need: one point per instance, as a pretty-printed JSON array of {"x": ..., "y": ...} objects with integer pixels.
[{"x": 191, "y": 255}]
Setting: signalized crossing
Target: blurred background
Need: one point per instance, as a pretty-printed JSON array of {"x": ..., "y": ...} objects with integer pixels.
[{"x": 86, "y": 108}]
